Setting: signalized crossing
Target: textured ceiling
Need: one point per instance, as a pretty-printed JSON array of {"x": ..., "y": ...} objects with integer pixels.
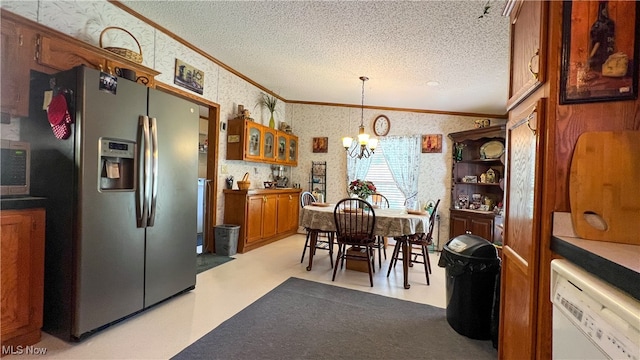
[{"x": 317, "y": 50}]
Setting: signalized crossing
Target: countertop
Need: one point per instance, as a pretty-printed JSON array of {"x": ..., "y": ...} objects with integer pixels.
[
  {"x": 262, "y": 191},
  {"x": 22, "y": 202},
  {"x": 615, "y": 263}
]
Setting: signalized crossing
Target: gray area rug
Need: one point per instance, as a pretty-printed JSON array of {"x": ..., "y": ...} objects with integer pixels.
[
  {"x": 302, "y": 319},
  {"x": 206, "y": 261}
]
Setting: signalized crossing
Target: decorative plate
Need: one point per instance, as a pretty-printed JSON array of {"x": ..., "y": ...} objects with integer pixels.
[
  {"x": 492, "y": 150},
  {"x": 320, "y": 204}
]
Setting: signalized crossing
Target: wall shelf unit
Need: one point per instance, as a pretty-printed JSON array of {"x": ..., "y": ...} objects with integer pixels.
[
  {"x": 318, "y": 180},
  {"x": 476, "y": 189}
]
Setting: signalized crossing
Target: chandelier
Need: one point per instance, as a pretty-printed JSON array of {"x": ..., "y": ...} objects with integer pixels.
[{"x": 367, "y": 145}]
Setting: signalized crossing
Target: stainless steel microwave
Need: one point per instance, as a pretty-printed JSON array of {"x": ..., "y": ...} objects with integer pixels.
[{"x": 15, "y": 168}]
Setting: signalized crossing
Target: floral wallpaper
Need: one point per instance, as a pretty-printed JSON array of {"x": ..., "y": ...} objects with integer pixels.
[{"x": 86, "y": 20}]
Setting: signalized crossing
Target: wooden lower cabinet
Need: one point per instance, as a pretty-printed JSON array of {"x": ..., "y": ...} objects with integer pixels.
[
  {"x": 287, "y": 212},
  {"x": 468, "y": 222},
  {"x": 22, "y": 276},
  {"x": 264, "y": 215}
]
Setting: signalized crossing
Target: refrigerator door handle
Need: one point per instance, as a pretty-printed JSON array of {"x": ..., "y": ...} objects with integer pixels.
[
  {"x": 142, "y": 194},
  {"x": 154, "y": 171}
]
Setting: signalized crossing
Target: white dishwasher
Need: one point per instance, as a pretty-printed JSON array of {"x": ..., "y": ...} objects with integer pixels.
[{"x": 591, "y": 318}]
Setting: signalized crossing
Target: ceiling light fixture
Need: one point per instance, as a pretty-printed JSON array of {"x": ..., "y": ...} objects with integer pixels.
[{"x": 367, "y": 145}]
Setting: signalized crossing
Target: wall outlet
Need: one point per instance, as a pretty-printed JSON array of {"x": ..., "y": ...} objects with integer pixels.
[{"x": 223, "y": 169}]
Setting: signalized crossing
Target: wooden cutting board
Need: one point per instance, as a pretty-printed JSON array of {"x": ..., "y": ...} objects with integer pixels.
[{"x": 604, "y": 186}]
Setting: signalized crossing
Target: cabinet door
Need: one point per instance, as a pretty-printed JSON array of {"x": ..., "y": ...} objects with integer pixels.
[
  {"x": 528, "y": 48},
  {"x": 269, "y": 145},
  {"x": 254, "y": 218},
  {"x": 459, "y": 224},
  {"x": 287, "y": 218},
  {"x": 253, "y": 144},
  {"x": 18, "y": 53},
  {"x": 22, "y": 266},
  {"x": 293, "y": 151},
  {"x": 482, "y": 227},
  {"x": 62, "y": 55},
  {"x": 519, "y": 288},
  {"x": 270, "y": 216},
  {"x": 282, "y": 148}
]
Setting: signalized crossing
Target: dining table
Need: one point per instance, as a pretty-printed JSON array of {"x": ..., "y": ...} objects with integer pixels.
[{"x": 318, "y": 217}]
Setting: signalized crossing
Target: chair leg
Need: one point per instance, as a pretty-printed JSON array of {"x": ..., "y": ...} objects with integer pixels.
[
  {"x": 335, "y": 268},
  {"x": 331, "y": 249},
  {"x": 343, "y": 248},
  {"x": 372, "y": 255},
  {"x": 380, "y": 246},
  {"x": 425, "y": 253},
  {"x": 370, "y": 263},
  {"x": 384, "y": 249},
  {"x": 306, "y": 244},
  {"x": 394, "y": 257},
  {"x": 428, "y": 261}
]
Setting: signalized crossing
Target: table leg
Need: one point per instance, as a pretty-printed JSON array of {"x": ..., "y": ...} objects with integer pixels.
[
  {"x": 406, "y": 259},
  {"x": 312, "y": 247}
]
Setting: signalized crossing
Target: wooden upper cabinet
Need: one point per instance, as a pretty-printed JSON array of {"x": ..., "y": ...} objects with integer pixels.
[
  {"x": 62, "y": 54},
  {"x": 18, "y": 57},
  {"x": 528, "y": 47},
  {"x": 250, "y": 141}
]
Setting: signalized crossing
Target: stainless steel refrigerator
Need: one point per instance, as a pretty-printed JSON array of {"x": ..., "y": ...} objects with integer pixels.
[{"x": 121, "y": 194}]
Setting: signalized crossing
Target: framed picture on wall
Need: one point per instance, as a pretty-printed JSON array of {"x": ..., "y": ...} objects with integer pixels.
[
  {"x": 320, "y": 144},
  {"x": 432, "y": 143},
  {"x": 600, "y": 51},
  {"x": 189, "y": 77}
]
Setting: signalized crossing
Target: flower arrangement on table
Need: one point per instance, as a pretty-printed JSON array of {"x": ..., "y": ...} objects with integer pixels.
[{"x": 362, "y": 188}]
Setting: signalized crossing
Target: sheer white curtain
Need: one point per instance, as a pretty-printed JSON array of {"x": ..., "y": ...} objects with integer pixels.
[
  {"x": 356, "y": 168},
  {"x": 402, "y": 154}
]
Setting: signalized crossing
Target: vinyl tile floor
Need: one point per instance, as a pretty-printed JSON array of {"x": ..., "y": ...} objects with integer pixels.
[{"x": 163, "y": 331}]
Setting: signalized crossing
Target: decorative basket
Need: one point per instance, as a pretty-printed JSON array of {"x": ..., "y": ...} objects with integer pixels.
[
  {"x": 125, "y": 53},
  {"x": 244, "y": 185}
]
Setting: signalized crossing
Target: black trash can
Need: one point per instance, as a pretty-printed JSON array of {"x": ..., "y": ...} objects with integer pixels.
[
  {"x": 471, "y": 266},
  {"x": 226, "y": 239}
]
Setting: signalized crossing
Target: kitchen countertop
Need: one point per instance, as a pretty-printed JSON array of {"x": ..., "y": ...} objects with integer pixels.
[
  {"x": 615, "y": 263},
  {"x": 22, "y": 202}
]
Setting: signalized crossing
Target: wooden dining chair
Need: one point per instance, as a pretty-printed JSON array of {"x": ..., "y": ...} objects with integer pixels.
[
  {"x": 325, "y": 238},
  {"x": 355, "y": 220},
  {"x": 380, "y": 201},
  {"x": 420, "y": 240}
]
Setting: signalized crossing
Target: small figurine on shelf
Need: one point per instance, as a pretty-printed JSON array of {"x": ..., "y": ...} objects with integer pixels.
[
  {"x": 491, "y": 176},
  {"x": 229, "y": 181},
  {"x": 457, "y": 153}
]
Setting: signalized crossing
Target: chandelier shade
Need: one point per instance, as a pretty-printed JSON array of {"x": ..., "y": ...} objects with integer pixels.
[{"x": 366, "y": 144}]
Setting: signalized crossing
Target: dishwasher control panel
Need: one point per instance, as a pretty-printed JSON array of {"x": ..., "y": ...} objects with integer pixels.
[{"x": 600, "y": 311}]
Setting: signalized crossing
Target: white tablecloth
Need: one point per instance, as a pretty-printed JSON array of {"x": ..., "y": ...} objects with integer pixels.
[{"x": 389, "y": 222}]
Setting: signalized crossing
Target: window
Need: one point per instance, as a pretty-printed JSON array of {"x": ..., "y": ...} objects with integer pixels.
[{"x": 380, "y": 175}]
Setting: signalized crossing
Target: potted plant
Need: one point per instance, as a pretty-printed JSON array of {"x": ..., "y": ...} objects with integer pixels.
[{"x": 270, "y": 103}]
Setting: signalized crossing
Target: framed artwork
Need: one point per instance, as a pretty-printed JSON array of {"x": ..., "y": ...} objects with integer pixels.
[
  {"x": 600, "y": 51},
  {"x": 320, "y": 144},
  {"x": 188, "y": 77},
  {"x": 432, "y": 143}
]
